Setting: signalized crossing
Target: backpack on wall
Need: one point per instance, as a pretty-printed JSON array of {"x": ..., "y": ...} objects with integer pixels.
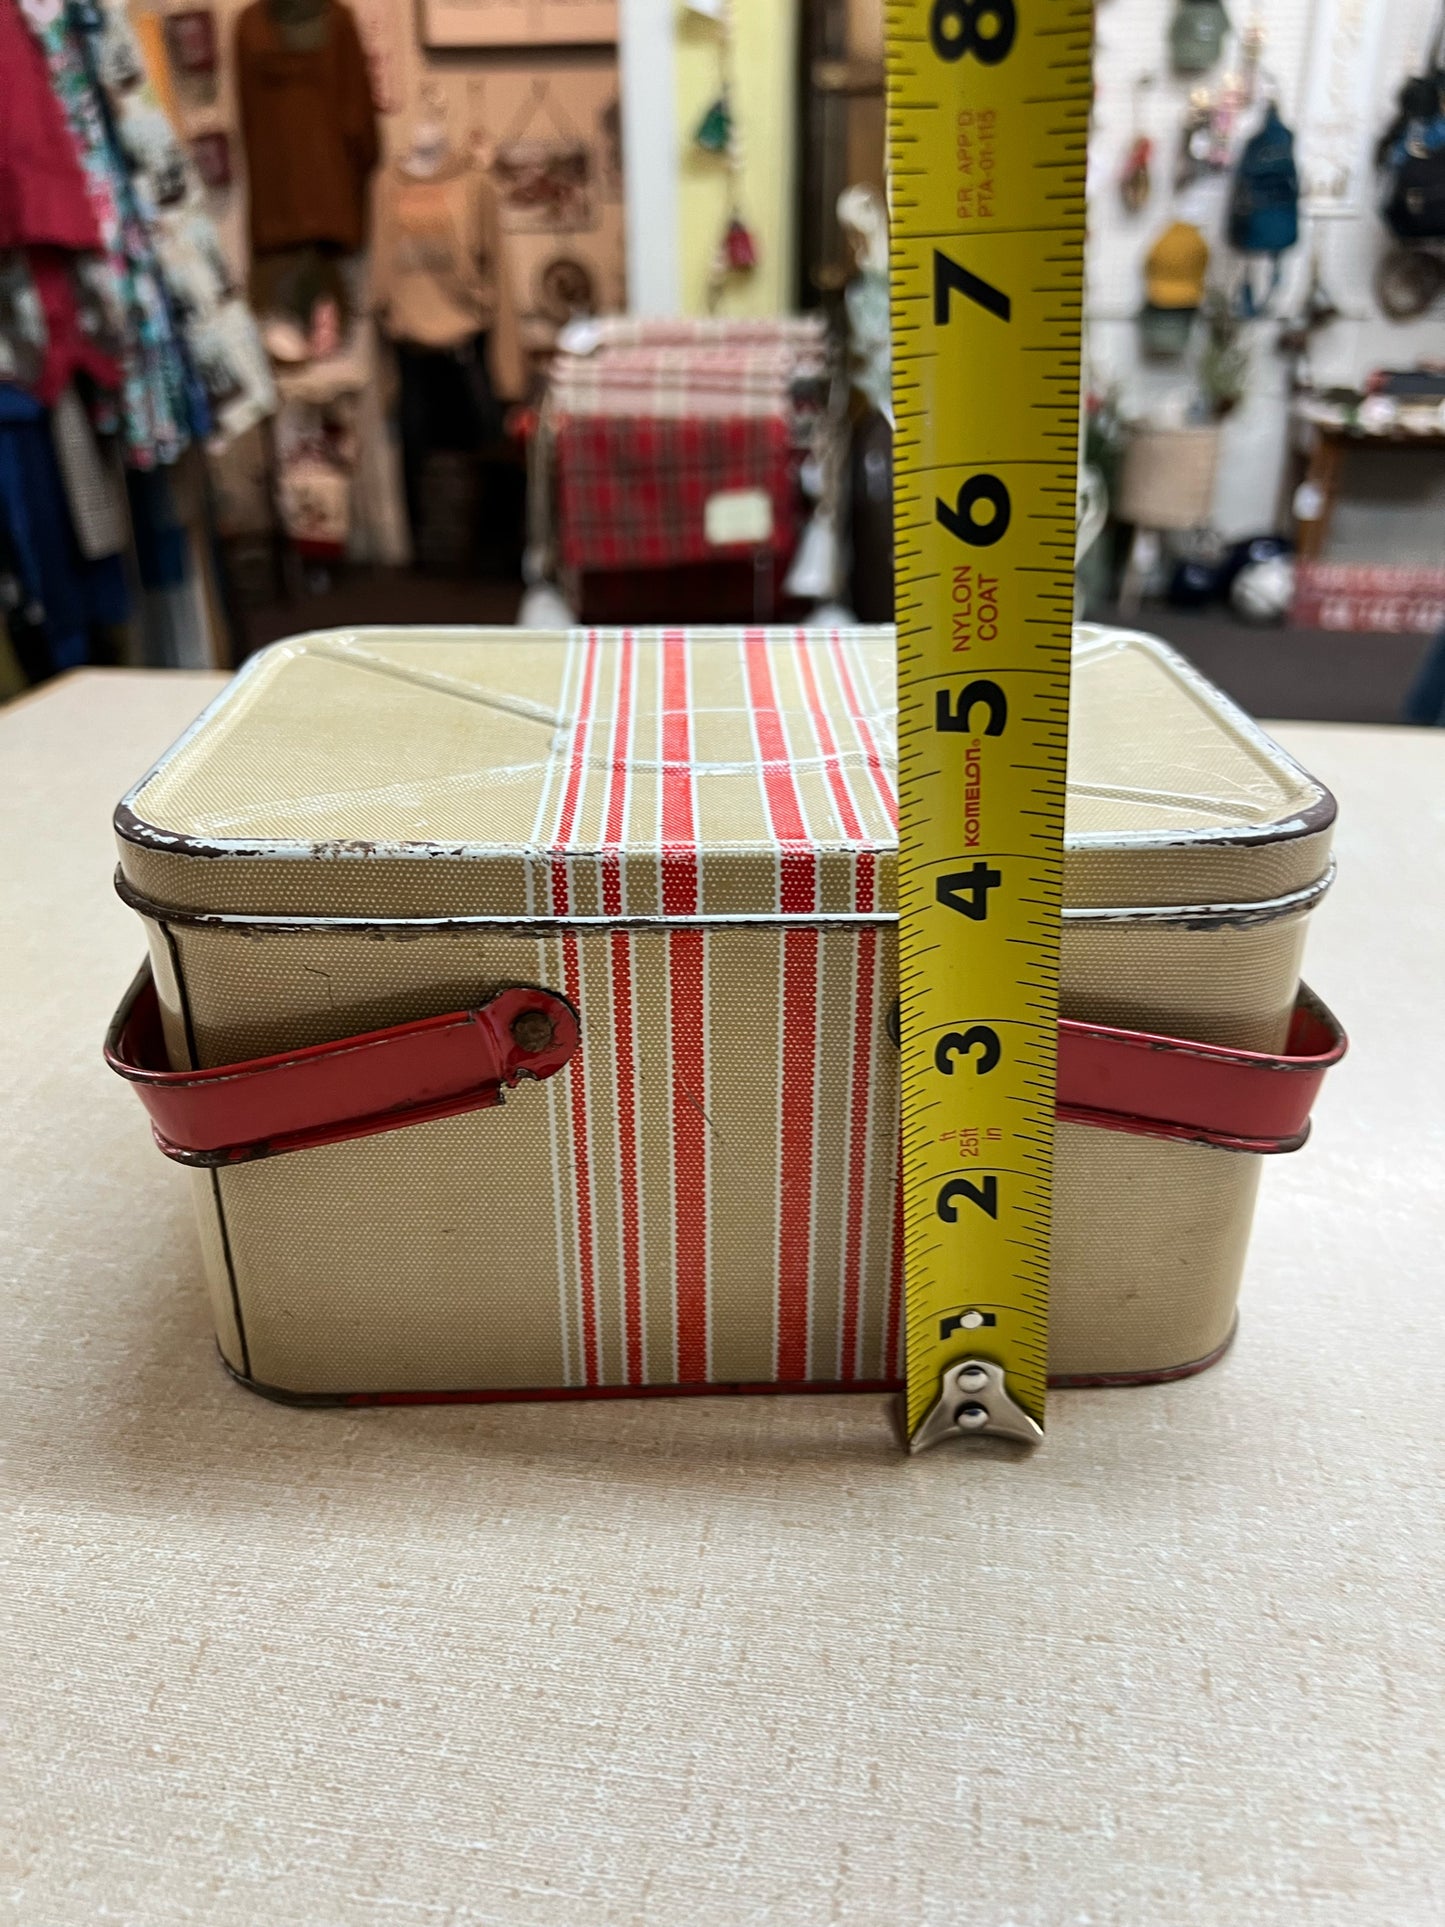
[
  {"x": 1412, "y": 155},
  {"x": 1415, "y": 202},
  {"x": 1264, "y": 202}
]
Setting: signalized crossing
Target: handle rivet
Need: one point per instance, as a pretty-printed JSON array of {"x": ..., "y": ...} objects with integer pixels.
[{"x": 533, "y": 1031}]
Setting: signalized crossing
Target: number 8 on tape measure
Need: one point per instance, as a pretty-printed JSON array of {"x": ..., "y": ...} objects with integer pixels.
[{"x": 988, "y": 105}]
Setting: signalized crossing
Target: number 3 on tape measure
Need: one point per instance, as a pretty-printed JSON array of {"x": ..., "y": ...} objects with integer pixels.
[{"x": 988, "y": 114}]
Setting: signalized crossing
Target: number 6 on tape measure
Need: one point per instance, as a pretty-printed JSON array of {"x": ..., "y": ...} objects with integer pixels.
[{"x": 988, "y": 104}]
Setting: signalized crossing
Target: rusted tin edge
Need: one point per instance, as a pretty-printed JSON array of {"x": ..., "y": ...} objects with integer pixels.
[
  {"x": 131, "y": 827},
  {"x": 767, "y": 1388},
  {"x": 510, "y": 922},
  {"x": 135, "y": 829},
  {"x": 1234, "y": 916}
]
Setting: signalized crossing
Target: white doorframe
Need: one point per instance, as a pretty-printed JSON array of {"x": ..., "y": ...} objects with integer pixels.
[{"x": 645, "y": 30}]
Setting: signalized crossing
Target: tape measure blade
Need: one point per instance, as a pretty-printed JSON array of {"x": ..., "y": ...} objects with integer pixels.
[{"x": 988, "y": 109}]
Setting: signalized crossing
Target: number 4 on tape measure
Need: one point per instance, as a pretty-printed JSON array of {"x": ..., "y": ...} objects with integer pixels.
[{"x": 988, "y": 104}]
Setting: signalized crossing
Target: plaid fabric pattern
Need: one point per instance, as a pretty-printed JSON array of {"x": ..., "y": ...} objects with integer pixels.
[
  {"x": 642, "y": 433},
  {"x": 802, "y": 335},
  {"x": 676, "y": 381},
  {"x": 632, "y": 491}
]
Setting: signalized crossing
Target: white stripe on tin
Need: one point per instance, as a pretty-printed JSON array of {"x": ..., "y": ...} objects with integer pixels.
[{"x": 555, "y": 778}]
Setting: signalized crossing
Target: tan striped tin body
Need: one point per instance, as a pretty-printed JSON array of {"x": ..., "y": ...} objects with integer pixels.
[{"x": 691, "y": 838}]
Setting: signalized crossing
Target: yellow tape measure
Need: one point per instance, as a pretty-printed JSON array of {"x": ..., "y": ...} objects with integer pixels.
[{"x": 988, "y": 109}]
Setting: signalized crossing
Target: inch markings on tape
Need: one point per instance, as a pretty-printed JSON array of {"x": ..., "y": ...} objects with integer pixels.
[{"x": 988, "y": 112}]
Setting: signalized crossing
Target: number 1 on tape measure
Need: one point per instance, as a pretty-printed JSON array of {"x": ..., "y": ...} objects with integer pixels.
[{"x": 988, "y": 105}]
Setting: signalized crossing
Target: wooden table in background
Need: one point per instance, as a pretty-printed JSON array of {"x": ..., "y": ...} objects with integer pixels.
[{"x": 1330, "y": 445}]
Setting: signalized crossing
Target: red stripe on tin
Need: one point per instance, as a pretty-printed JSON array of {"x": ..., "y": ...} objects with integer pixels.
[
  {"x": 679, "y": 826},
  {"x": 798, "y": 1067},
  {"x": 686, "y": 955},
  {"x": 623, "y": 1003},
  {"x": 859, "y": 1108},
  {"x": 877, "y": 768},
  {"x": 686, "y": 960},
  {"x": 827, "y": 743},
  {"x": 865, "y": 862},
  {"x": 582, "y": 1173},
  {"x": 864, "y": 880},
  {"x": 617, "y": 777},
  {"x": 893, "y": 1328},
  {"x": 627, "y": 1159},
  {"x": 795, "y": 1186},
  {"x": 797, "y": 882}
]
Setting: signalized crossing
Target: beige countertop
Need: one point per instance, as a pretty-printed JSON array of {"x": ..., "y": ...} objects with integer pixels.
[{"x": 733, "y": 1661}]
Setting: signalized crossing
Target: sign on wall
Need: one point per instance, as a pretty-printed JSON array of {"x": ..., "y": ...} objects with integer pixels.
[{"x": 518, "y": 23}]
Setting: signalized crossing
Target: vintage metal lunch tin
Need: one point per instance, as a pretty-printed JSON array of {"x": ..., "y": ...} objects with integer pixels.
[{"x": 642, "y": 885}]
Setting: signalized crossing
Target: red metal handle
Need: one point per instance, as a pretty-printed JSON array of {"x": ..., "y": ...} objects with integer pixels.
[
  {"x": 327, "y": 1093},
  {"x": 1239, "y": 1100},
  {"x": 1118, "y": 1080}
]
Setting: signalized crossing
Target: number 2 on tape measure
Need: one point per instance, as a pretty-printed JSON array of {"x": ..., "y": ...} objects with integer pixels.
[{"x": 988, "y": 109}]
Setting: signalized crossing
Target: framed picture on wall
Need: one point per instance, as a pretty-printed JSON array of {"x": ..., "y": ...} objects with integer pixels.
[
  {"x": 544, "y": 186},
  {"x": 518, "y": 23}
]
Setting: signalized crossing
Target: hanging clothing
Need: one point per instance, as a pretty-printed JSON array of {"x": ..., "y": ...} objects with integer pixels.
[
  {"x": 69, "y": 345},
  {"x": 309, "y": 125},
  {"x": 220, "y": 334},
  {"x": 22, "y": 323},
  {"x": 67, "y": 596},
  {"x": 161, "y": 544},
  {"x": 447, "y": 406},
  {"x": 45, "y": 212},
  {"x": 42, "y": 190},
  {"x": 439, "y": 268},
  {"x": 93, "y": 487},
  {"x": 124, "y": 281}
]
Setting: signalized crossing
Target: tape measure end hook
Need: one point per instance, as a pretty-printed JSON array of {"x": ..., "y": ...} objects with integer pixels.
[{"x": 974, "y": 1402}]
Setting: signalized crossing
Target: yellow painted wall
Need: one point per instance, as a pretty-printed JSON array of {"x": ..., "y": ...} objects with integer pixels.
[{"x": 765, "y": 55}]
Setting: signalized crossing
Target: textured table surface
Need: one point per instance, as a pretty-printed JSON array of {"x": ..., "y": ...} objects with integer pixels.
[{"x": 731, "y": 1661}]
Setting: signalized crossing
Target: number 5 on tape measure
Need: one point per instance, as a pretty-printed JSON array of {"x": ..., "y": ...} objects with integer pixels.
[{"x": 988, "y": 105}]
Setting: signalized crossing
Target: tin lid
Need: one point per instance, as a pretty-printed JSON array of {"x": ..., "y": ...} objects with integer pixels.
[{"x": 437, "y": 774}]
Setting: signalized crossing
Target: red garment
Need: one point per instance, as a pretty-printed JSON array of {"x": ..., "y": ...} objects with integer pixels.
[
  {"x": 67, "y": 349},
  {"x": 43, "y": 202},
  {"x": 44, "y": 206}
]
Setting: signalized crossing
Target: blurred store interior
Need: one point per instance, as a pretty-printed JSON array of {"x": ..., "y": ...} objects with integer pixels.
[{"x": 318, "y": 313}]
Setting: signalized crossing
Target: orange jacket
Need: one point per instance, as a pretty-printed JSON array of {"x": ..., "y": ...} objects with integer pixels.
[{"x": 309, "y": 124}]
